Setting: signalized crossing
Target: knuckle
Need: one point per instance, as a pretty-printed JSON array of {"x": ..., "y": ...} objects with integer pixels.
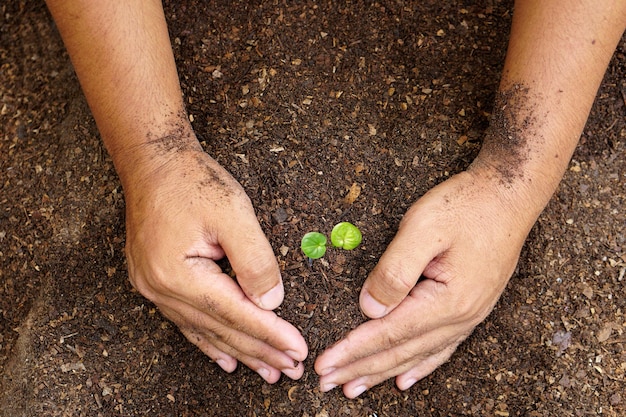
[
  {"x": 141, "y": 285},
  {"x": 227, "y": 338},
  {"x": 149, "y": 281},
  {"x": 222, "y": 312},
  {"x": 396, "y": 334},
  {"x": 257, "y": 265},
  {"x": 393, "y": 278},
  {"x": 466, "y": 309},
  {"x": 260, "y": 273},
  {"x": 159, "y": 283},
  {"x": 401, "y": 356}
]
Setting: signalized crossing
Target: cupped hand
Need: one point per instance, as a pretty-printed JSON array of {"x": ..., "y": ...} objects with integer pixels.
[
  {"x": 184, "y": 215},
  {"x": 442, "y": 274}
]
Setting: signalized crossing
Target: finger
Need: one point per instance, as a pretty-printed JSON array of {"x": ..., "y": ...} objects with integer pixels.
[
  {"x": 399, "y": 267},
  {"x": 245, "y": 330},
  {"x": 381, "y": 365},
  {"x": 219, "y": 297},
  {"x": 407, "y": 379},
  {"x": 225, "y": 361},
  {"x": 253, "y": 359},
  {"x": 375, "y": 337},
  {"x": 424, "y": 368},
  {"x": 223, "y": 345},
  {"x": 253, "y": 353},
  {"x": 253, "y": 260},
  {"x": 385, "y": 333},
  {"x": 421, "y": 356}
]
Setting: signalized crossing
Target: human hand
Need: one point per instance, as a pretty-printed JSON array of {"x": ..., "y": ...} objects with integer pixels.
[
  {"x": 182, "y": 216},
  {"x": 463, "y": 239}
]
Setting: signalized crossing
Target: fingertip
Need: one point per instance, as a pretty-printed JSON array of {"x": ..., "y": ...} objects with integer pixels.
[
  {"x": 321, "y": 366},
  {"x": 371, "y": 307},
  {"x": 325, "y": 371},
  {"x": 298, "y": 355},
  {"x": 295, "y": 372},
  {"x": 354, "y": 392},
  {"x": 406, "y": 383},
  {"x": 227, "y": 364},
  {"x": 332, "y": 358},
  {"x": 272, "y": 298},
  {"x": 270, "y": 376},
  {"x": 327, "y": 387}
]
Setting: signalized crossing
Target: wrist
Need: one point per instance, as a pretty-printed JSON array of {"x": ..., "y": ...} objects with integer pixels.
[
  {"x": 142, "y": 152},
  {"x": 524, "y": 197}
]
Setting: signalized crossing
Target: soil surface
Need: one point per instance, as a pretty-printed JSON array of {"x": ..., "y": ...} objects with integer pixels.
[{"x": 324, "y": 111}]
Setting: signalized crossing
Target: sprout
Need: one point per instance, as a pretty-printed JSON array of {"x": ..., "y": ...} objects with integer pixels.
[
  {"x": 313, "y": 245},
  {"x": 345, "y": 235}
]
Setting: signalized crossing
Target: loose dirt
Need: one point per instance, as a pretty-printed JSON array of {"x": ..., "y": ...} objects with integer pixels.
[{"x": 325, "y": 112}]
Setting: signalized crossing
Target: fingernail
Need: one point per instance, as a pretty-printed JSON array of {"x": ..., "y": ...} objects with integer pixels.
[
  {"x": 409, "y": 383},
  {"x": 326, "y": 371},
  {"x": 223, "y": 364},
  {"x": 371, "y": 307},
  {"x": 272, "y": 299},
  {"x": 294, "y": 355},
  {"x": 293, "y": 373},
  {"x": 263, "y": 372},
  {"x": 359, "y": 390},
  {"x": 327, "y": 387}
]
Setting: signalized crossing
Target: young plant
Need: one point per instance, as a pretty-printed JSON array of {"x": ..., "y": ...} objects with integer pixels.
[
  {"x": 313, "y": 245},
  {"x": 344, "y": 235}
]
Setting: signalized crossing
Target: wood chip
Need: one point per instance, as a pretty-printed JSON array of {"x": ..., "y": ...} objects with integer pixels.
[
  {"x": 372, "y": 130},
  {"x": 73, "y": 367},
  {"x": 604, "y": 333},
  {"x": 587, "y": 291}
]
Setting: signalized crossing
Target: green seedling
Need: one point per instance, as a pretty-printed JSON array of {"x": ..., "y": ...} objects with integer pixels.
[
  {"x": 345, "y": 235},
  {"x": 313, "y": 245}
]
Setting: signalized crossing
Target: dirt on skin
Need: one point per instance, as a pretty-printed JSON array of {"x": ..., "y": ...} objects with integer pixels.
[
  {"x": 505, "y": 138},
  {"x": 325, "y": 112}
]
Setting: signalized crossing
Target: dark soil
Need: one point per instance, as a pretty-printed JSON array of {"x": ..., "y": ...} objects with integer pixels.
[{"x": 324, "y": 111}]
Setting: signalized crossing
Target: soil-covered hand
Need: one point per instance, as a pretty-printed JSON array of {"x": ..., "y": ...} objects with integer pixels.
[
  {"x": 442, "y": 274},
  {"x": 182, "y": 216}
]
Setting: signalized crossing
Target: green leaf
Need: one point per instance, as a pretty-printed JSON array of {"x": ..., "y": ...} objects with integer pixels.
[
  {"x": 313, "y": 245},
  {"x": 346, "y": 235}
]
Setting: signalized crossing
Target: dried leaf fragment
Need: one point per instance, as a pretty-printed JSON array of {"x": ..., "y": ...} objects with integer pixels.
[{"x": 353, "y": 193}]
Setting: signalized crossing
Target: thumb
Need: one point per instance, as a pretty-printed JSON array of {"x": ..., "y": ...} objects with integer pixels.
[
  {"x": 399, "y": 268},
  {"x": 252, "y": 258}
]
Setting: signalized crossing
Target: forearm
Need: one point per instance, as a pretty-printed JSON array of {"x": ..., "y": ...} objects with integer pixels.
[
  {"x": 122, "y": 55},
  {"x": 558, "y": 53}
]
